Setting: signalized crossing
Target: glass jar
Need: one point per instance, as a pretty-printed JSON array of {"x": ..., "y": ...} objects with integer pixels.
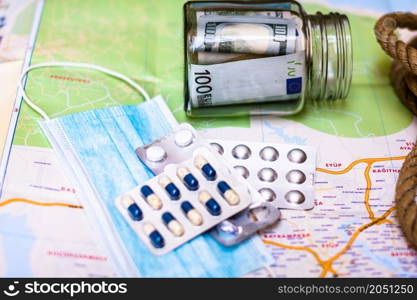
[{"x": 263, "y": 58}]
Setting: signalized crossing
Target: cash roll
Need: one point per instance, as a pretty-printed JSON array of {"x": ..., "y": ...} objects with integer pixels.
[{"x": 258, "y": 35}]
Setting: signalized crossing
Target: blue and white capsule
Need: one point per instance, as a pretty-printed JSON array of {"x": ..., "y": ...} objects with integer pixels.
[
  {"x": 135, "y": 213},
  {"x": 173, "y": 225},
  {"x": 228, "y": 193},
  {"x": 192, "y": 214},
  {"x": 206, "y": 168},
  {"x": 212, "y": 206},
  {"x": 151, "y": 198},
  {"x": 188, "y": 179},
  {"x": 154, "y": 236},
  {"x": 171, "y": 189}
]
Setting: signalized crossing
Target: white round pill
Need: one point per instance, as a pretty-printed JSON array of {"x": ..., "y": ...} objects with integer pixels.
[
  {"x": 243, "y": 171},
  {"x": 155, "y": 154},
  {"x": 269, "y": 154},
  {"x": 267, "y": 174},
  {"x": 241, "y": 152},
  {"x": 183, "y": 138},
  {"x": 267, "y": 194},
  {"x": 296, "y": 176},
  {"x": 217, "y": 147},
  {"x": 295, "y": 197},
  {"x": 297, "y": 156}
]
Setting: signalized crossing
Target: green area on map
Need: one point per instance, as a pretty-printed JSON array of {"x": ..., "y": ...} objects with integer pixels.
[{"x": 143, "y": 39}]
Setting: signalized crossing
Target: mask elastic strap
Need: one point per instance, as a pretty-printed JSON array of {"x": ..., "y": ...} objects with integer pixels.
[
  {"x": 36, "y": 108},
  {"x": 270, "y": 271}
]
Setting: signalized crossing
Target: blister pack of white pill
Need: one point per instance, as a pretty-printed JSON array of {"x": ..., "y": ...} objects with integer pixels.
[
  {"x": 282, "y": 173},
  {"x": 194, "y": 190},
  {"x": 183, "y": 202}
]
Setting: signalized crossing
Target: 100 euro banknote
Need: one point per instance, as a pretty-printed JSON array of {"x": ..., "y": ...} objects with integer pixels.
[{"x": 277, "y": 78}]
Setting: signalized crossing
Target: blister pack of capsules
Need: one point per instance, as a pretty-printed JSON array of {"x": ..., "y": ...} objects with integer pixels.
[
  {"x": 193, "y": 191},
  {"x": 282, "y": 173}
]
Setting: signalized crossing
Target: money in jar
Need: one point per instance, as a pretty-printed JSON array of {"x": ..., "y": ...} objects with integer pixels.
[{"x": 263, "y": 58}]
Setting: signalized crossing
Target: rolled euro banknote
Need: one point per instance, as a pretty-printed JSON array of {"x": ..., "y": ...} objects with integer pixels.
[
  {"x": 245, "y": 34},
  {"x": 277, "y": 78}
]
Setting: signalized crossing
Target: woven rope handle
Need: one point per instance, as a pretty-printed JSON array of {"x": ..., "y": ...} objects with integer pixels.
[
  {"x": 404, "y": 79},
  {"x": 387, "y": 38}
]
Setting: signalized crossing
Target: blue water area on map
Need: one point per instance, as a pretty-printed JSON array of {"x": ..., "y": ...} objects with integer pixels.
[
  {"x": 377, "y": 5},
  {"x": 392, "y": 263},
  {"x": 17, "y": 242},
  {"x": 385, "y": 260},
  {"x": 280, "y": 131},
  {"x": 380, "y": 259}
]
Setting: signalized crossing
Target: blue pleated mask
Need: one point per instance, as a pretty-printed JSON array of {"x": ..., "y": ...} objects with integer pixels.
[{"x": 97, "y": 150}]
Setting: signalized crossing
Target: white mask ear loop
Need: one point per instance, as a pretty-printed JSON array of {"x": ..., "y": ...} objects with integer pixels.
[{"x": 36, "y": 108}]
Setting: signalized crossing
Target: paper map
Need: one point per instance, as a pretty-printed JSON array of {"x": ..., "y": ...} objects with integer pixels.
[{"x": 352, "y": 231}]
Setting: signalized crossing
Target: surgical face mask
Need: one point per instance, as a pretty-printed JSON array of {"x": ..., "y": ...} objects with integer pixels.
[{"x": 97, "y": 150}]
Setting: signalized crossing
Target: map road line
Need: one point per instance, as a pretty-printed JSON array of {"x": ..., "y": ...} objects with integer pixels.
[
  {"x": 363, "y": 160},
  {"x": 40, "y": 203},
  {"x": 327, "y": 264},
  {"x": 369, "y": 162}
]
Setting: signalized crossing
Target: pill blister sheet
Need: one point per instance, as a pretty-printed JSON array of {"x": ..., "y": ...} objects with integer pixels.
[
  {"x": 282, "y": 173},
  {"x": 172, "y": 148},
  {"x": 154, "y": 216},
  {"x": 179, "y": 146}
]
